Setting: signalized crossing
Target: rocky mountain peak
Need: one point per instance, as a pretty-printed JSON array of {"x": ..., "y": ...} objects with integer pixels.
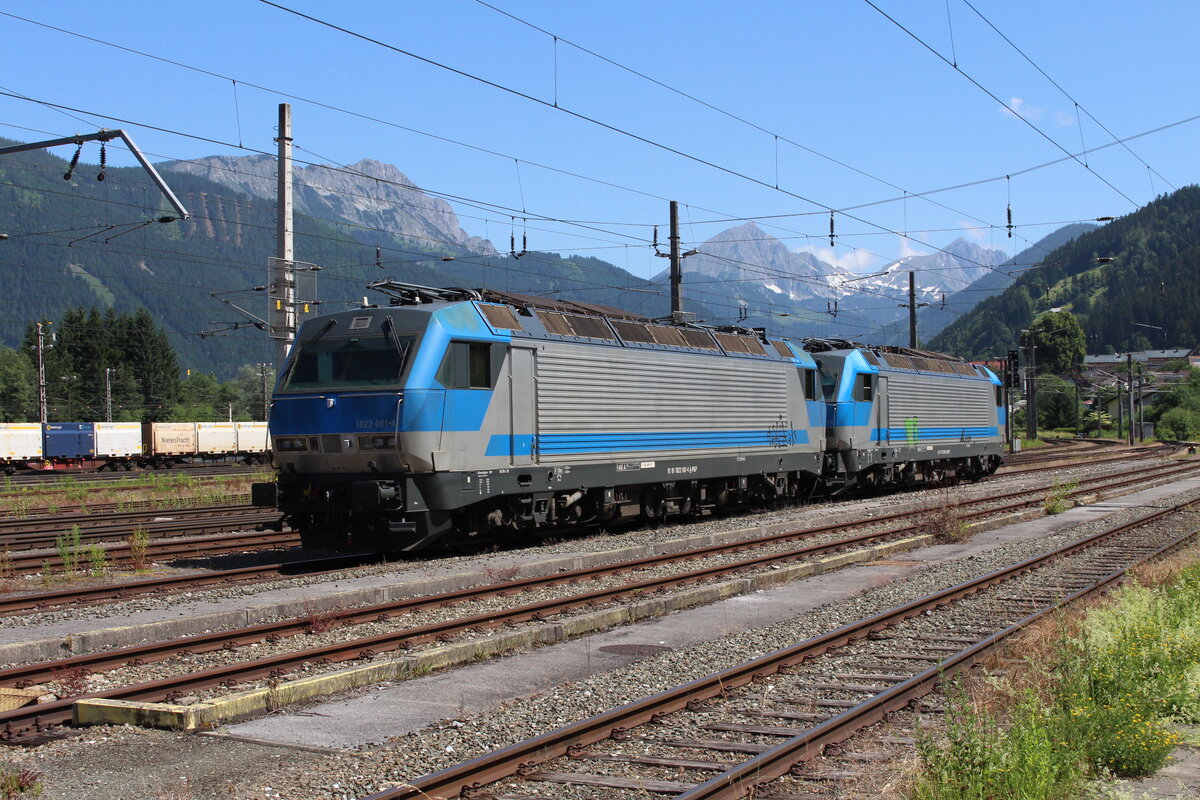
[{"x": 368, "y": 193}]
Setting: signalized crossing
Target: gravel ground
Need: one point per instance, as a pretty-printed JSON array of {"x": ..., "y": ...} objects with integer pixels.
[
  {"x": 504, "y": 560},
  {"x": 111, "y": 763},
  {"x": 118, "y": 763},
  {"x": 156, "y": 670}
]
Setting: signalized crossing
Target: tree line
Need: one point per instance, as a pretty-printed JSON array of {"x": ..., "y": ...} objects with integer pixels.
[{"x": 96, "y": 360}]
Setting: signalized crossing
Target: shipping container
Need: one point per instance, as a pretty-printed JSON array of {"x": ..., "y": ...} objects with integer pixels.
[
  {"x": 252, "y": 437},
  {"x": 20, "y": 441},
  {"x": 118, "y": 439},
  {"x": 169, "y": 438},
  {"x": 69, "y": 440},
  {"x": 216, "y": 438}
]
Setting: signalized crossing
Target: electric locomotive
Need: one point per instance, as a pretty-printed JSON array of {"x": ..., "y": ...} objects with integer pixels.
[
  {"x": 453, "y": 413},
  {"x": 904, "y": 416}
]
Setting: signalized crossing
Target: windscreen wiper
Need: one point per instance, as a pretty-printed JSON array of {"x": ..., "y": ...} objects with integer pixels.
[
  {"x": 401, "y": 350},
  {"x": 292, "y": 362}
]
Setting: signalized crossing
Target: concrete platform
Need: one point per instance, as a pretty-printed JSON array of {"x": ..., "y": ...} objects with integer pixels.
[{"x": 389, "y": 711}]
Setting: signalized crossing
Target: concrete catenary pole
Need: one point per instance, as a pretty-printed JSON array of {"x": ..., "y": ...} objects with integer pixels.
[
  {"x": 676, "y": 264},
  {"x": 912, "y": 310},
  {"x": 1129, "y": 386},
  {"x": 41, "y": 378},
  {"x": 1031, "y": 389},
  {"x": 282, "y": 310}
]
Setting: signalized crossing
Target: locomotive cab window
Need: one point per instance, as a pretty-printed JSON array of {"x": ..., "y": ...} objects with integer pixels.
[
  {"x": 470, "y": 365},
  {"x": 999, "y": 396},
  {"x": 808, "y": 380},
  {"x": 324, "y": 364},
  {"x": 864, "y": 387}
]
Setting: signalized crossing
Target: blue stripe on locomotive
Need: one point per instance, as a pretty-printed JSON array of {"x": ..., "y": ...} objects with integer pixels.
[
  {"x": 563, "y": 444},
  {"x": 846, "y": 412},
  {"x": 427, "y": 406}
]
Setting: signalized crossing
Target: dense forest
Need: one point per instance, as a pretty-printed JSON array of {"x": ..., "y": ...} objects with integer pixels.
[
  {"x": 102, "y": 365},
  {"x": 1123, "y": 281}
]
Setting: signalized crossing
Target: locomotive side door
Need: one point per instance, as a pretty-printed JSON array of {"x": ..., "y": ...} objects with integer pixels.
[
  {"x": 881, "y": 409},
  {"x": 522, "y": 404}
]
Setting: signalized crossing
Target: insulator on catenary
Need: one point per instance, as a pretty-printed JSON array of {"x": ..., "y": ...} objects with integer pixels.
[{"x": 74, "y": 162}]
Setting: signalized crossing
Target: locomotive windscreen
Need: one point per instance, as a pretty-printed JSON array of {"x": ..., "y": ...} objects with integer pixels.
[{"x": 356, "y": 363}]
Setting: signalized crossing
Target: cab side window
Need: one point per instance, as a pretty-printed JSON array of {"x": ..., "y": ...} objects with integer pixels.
[
  {"x": 470, "y": 365},
  {"x": 808, "y": 382},
  {"x": 864, "y": 387}
]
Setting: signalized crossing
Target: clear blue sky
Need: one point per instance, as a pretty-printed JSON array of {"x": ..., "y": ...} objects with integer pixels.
[{"x": 836, "y": 77}]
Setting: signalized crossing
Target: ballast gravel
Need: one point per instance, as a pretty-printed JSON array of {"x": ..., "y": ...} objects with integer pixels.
[
  {"x": 116, "y": 762},
  {"x": 155, "y": 670},
  {"x": 500, "y": 563}
]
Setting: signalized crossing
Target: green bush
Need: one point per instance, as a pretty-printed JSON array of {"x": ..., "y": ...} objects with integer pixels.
[
  {"x": 1179, "y": 423},
  {"x": 983, "y": 757},
  {"x": 1135, "y": 667}
]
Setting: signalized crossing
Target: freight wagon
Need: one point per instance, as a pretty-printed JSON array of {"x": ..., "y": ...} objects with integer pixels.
[{"x": 124, "y": 445}]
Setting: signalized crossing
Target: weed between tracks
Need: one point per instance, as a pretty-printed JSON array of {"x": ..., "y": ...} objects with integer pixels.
[
  {"x": 139, "y": 545},
  {"x": 1058, "y": 500},
  {"x": 944, "y": 519},
  {"x": 16, "y": 783},
  {"x": 1093, "y": 695}
]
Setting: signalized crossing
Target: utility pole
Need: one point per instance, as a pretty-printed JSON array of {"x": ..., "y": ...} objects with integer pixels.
[
  {"x": 676, "y": 264},
  {"x": 1129, "y": 386},
  {"x": 41, "y": 375},
  {"x": 107, "y": 394},
  {"x": 912, "y": 310},
  {"x": 1141, "y": 404},
  {"x": 1031, "y": 388},
  {"x": 281, "y": 297},
  {"x": 1120, "y": 411},
  {"x": 266, "y": 404},
  {"x": 1099, "y": 430}
]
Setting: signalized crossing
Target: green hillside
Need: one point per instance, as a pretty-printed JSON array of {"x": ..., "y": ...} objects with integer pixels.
[
  {"x": 1142, "y": 268},
  {"x": 85, "y": 243}
]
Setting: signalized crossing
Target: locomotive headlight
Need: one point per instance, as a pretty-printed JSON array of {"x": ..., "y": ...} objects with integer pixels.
[
  {"x": 377, "y": 442},
  {"x": 291, "y": 444}
]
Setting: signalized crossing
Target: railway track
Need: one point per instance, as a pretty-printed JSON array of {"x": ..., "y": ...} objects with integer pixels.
[
  {"x": 161, "y": 505},
  {"x": 1096, "y": 456},
  {"x": 42, "y": 532},
  {"x": 173, "y": 545},
  {"x": 1009, "y": 502},
  {"x": 82, "y": 478},
  {"x": 727, "y": 736},
  {"x": 23, "y": 723}
]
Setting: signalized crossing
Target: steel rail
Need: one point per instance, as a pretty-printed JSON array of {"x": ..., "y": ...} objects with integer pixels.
[
  {"x": 87, "y": 477},
  {"x": 32, "y": 532},
  {"x": 155, "y": 651},
  {"x": 526, "y": 755},
  {"x": 105, "y": 509},
  {"x": 742, "y": 780},
  {"x": 23, "y": 721},
  {"x": 169, "y": 547},
  {"x": 81, "y": 595},
  {"x": 126, "y": 590}
]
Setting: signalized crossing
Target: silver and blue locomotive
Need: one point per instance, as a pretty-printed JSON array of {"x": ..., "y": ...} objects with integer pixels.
[{"x": 456, "y": 413}]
